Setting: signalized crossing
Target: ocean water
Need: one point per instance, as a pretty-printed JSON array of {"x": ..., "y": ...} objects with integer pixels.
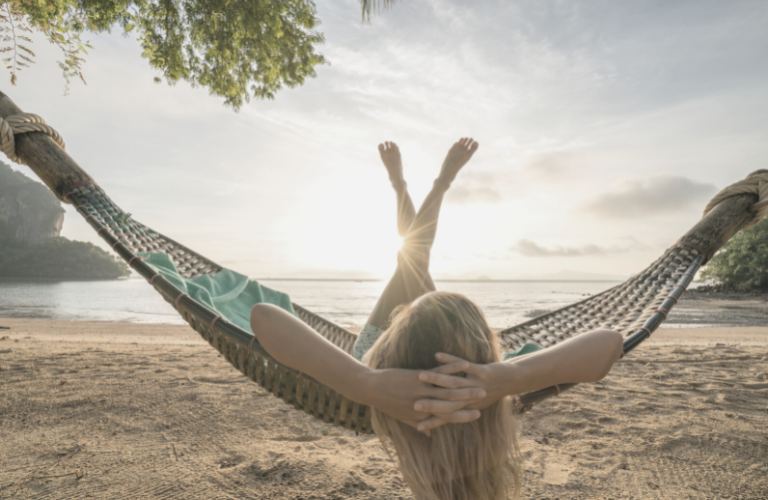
[{"x": 346, "y": 303}]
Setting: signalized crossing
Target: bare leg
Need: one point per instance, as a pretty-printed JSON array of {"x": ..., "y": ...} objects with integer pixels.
[
  {"x": 390, "y": 155},
  {"x": 411, "y": 279}
]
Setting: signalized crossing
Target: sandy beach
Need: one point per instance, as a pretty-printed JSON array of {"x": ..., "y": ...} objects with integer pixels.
[{"x": 129, "y": 411}]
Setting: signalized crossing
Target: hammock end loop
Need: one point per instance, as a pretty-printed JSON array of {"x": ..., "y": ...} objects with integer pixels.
[
  {"x": 755, "y": 183},
  {"x": 21, "y": 123}
]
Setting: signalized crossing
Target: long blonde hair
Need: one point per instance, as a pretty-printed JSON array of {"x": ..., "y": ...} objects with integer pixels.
[{"x": 474, "y": 461}]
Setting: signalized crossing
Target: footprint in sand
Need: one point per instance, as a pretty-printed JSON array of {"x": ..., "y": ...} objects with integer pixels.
[{"x": 557, "y": 469}]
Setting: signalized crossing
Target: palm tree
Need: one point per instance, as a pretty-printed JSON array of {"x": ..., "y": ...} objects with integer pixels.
[{"x": 371, "y": 7}]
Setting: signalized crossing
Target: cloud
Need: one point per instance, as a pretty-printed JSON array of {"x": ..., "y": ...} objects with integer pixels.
[
  {"x": 530, "y": 248},
  {"x": 658, "y": 195},
  {"x": 461, "y": 195},
  {"x": 548, "y": 166}
]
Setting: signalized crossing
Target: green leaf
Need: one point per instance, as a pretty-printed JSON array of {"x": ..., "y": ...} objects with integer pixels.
[
  {"x": 238, "y": 49},
  {"x": 743, "y": 262}
]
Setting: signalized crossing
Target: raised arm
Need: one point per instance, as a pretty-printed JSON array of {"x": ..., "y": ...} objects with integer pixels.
[
  {"x": 586, "y": 358},
  {"x": 392, "y": 391}
]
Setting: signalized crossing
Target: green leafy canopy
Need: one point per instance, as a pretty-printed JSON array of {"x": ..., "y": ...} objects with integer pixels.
[
  {"x": 235, "y": 48},
  {"x": 743, "y": 262}
]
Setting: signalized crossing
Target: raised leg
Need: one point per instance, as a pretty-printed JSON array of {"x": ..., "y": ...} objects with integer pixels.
[
  {"x": 390, "y": 155},
  {"x": 411, "y": 278}
]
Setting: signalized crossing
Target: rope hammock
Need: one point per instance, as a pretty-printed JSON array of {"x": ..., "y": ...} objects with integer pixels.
[{"x": 635, "y": 308}]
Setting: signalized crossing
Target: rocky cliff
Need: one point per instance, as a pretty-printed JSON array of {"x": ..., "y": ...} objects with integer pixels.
[
  {"x": 30, "y": 246},
  {"x": 29, "y": 212}
]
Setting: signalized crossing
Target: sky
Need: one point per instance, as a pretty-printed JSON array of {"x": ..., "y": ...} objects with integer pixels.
[{"x": 604, "y": 129}]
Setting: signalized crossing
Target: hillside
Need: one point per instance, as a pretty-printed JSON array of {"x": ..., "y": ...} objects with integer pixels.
[
  {"x": 29, "y": 213},
  {"x": 31, "y": 219}
]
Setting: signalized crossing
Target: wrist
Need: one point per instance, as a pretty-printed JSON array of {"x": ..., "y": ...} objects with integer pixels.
[{"x": 504, "y": 378}]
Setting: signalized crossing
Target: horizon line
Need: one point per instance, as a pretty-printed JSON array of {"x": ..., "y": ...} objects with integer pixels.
[{"x": 443, "y": 280}]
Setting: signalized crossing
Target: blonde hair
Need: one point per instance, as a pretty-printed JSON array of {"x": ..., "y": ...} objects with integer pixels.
[{"x": 472, "y": 461}]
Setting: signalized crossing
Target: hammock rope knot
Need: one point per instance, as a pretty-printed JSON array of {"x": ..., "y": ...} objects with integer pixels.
[
  {"x": 755, "y": 183},
  {"x": 22, "y": 123}
]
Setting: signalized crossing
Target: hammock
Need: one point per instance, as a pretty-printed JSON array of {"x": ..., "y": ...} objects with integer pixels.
[{"x": 635, "y": 308}]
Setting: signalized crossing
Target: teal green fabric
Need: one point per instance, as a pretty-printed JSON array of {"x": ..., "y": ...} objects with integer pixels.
[
  {"x": 526, "y": 349},
  {"x": 229, "y": 293},
  {"x": 365, "y": 340}
]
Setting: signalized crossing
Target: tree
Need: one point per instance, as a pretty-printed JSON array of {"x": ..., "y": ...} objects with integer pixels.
[
  {"x": 235, "y": 48},
  {"x": 60, "y": 258},
  {"x": 743, "y": 262}
]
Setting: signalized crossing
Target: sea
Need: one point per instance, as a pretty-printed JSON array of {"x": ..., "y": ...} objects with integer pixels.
[{"x": 344, "y": 302}]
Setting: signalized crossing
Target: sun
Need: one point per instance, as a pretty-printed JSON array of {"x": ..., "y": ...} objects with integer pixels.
[{"x": 383, "y": 257}]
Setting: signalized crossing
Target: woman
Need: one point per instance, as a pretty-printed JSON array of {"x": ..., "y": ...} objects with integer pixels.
[
  {"x": 415, "y": 342},
  {"x": 474, "y": 460}
]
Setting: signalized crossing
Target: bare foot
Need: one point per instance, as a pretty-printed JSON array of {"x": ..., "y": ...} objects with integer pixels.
[
  {"x": 390, "y": 155},
  {"x": 458, "y": 156}
]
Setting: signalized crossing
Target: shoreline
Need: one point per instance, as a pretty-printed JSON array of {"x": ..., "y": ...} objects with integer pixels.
[
  {"x": 130, "y": 300},
  {"x": 121, "y": 332}
]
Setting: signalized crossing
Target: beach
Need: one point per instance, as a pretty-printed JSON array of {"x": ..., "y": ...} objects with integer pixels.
[{"x": 111, "y": 410}]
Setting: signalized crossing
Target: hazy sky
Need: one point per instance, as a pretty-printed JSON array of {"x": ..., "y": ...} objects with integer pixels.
[{"x": 604, "y": 128}]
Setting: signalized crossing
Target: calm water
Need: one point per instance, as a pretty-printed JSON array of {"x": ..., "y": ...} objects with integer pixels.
[{"x": 346, "y": 303}]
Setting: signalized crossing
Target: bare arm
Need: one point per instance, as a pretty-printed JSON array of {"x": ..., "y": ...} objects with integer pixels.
[
  {"x": 586, "y": 358},
  {"x": 392, "y": 391}
]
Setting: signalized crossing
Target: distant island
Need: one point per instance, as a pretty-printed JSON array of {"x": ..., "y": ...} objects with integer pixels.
[{"x": 31, "y": 219}]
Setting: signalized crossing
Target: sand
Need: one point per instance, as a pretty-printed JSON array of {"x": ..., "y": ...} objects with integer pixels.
[{"x": 126, "y": 411}]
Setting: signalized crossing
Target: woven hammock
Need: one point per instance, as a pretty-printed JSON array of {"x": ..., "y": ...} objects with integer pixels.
[{"x": 635, "y": 308}]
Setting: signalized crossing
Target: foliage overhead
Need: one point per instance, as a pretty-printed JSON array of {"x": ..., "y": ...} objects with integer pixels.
[
  {"x": 743, "y": 262},
  {"x": 371, "y": 7},
  {"x": 235, "y": 48},
  {"x": 62, "y": 259}
]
